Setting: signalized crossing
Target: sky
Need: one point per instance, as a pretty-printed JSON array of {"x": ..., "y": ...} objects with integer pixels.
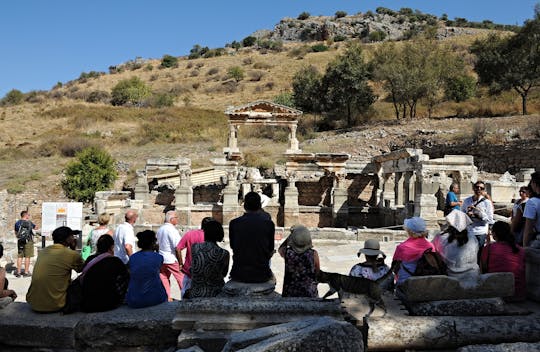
[{"x": 43, "y": 42}]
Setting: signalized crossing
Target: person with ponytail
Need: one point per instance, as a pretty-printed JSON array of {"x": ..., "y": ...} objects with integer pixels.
[{"x": 505, "y": 256}]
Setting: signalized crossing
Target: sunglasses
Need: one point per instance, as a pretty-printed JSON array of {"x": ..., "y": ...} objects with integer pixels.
[{"x": 479, "y": 187}]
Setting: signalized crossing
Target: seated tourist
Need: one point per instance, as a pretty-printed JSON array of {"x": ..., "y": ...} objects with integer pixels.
[
  {"x": 458, "y": 249},
  {"x": 209, "y": 263},
  {"x": 408, "y": 252},
  {"x": 374, "y": 267},
  {"x": 301, "y": 264},
  {"x": 6, "y": 295},
  {"x": 505, "y": 256},
  {"x": 145, "y": 287},
  {"x": 52, "y": 272},
  {"x": 104, "y": 278}
]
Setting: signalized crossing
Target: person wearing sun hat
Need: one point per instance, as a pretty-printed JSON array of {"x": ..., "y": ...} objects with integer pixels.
[
  {"x": 458, "y": 249},
  {"x": 374, "y": 267},
  {"x": 301, "y": 264},
  {"x": 408, "y": 252}
]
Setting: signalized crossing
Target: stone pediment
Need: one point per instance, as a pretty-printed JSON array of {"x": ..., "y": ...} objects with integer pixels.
[{"x": 262, "y": 111}]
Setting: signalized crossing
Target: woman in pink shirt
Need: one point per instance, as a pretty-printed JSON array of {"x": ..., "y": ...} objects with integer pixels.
[
  {"x": 412, "y": 249},
  {"x": 505, "y": 256}
]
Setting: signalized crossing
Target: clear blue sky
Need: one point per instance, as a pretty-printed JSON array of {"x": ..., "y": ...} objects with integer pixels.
[{"x": 48, "y": 41}]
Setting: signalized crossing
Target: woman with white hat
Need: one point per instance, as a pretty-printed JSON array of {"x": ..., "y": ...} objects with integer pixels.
[
  {"x": 374, "y": 267},
  {"x": 301, "y": 264},
  {"x": 409, "y": 252},
  {"x": 458, "y": 249}
]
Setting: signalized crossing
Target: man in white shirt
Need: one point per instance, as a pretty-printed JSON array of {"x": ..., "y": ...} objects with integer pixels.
[
  {"x": 124, "y": 237},
  {"x": 480, "y": 210},
  {"x": 168, "y": 238}
]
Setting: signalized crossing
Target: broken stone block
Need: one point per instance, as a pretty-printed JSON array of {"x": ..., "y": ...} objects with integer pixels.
[
  {"x": 461, "y": 307},
  {"x": 440, "y": 287},
  {"x": 321, "y": 334},
  {"x": 503, "y": 347}
]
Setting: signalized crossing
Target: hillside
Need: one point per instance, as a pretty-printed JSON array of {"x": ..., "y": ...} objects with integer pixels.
[{"x": 42, "y": 134}]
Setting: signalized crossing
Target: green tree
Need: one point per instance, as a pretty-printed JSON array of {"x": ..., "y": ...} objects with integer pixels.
[
  {"x": 129, "y": 91},
  {"x": 414, "y": 71},
  {"x": 307, "y": 89},
  {"x": 511, "y": 63},
  {"x": 345, "y": 85},
  {"x": 285, "y": 98},
  {"x": 93, "y": 171},
  {"x": 460, "y": 88},
  {"x": 236, "y": 73},
  {"x": 13, "y": 97},
  {"x": 169, "y": 61},
  {"x": 249, "y": 41}
]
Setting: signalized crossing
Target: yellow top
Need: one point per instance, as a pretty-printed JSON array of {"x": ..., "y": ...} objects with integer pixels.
[{"x": 51, "y": 277}]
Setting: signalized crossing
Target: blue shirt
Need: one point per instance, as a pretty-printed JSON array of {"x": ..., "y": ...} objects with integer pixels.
[
  {"x": 145, "y": 288},
  {"x": 451, "y": 197}
]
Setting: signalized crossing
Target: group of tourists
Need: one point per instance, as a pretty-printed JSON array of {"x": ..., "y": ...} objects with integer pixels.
[{"x": 472, "y": 243}]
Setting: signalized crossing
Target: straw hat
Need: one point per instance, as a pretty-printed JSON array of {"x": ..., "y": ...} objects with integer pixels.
[
  {"x": 371, "y": 247},
  {"x": 300, "y": 239}
]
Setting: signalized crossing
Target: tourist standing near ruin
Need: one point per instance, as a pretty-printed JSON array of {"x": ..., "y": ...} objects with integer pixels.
[
  {"x": 188, "y": 240},
  {"x": 168, "y": 238},
  {"x": 124, "y": 237},
  {"x": 532, "y": 211},
  {"x": 301, "y": 264},
  {"x": 24, "y": 231},
  {"x": 480, "y": 210},
  {"x": 517, "y": 220},
  {"x": 252, "y": 242},
  {"x": 452, "y": 200},
  {"x": 102, "y": 229},
  {"x": 52, "y": 272}
]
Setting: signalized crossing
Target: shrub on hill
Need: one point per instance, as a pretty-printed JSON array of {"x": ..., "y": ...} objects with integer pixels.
[
  {"x": 129, "y": 91},
  {"x": 13, "y": 97},
  {"x": 236, "y": 73},
  {"x": 249, "y": 41},
  {"x": 93, "y": 171},
  {"x": 304, "y": 16},
  {"x": 169, "y": 61},
  {"x": 340, "y": 14}
]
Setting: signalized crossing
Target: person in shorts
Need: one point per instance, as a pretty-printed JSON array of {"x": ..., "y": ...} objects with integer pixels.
[{"x": 25, "y": 250}]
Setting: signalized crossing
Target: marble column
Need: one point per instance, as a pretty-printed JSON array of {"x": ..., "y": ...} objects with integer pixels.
[
  {"x": 183, "y": 196},
  {"x": 340, "y": 207},
  {"x": 425, "y": 202},
  {"x": 141, "y": 187},
  {"x": 231, "y": 208},
  {"x": 291, "y": 208}
]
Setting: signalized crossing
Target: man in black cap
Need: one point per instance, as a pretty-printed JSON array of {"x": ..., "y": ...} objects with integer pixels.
[{"x": 52, "y": 272}]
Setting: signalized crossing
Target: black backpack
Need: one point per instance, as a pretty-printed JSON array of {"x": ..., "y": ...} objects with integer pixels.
[
  {"x": 25, "y": 231},
  {"x": 430, "y": 263}
]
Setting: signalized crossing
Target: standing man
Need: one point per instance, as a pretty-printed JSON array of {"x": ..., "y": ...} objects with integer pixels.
[
  {"x": 52, "y": 272},
  {"x": 452, "y": 200},
  {"x": 480, "y": 210},
  {"x": 188, "y": 240},
  {"x": 24, "y": 230},
  {"x": 124, "y": 237},
  {"x": 168, "y": 238},
  {"x": 252, "y": 241}
]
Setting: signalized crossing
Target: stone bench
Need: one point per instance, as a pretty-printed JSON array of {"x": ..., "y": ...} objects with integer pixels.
[
  {"x": 444, "y": 295},
  {"x": 122, "y": 328}
]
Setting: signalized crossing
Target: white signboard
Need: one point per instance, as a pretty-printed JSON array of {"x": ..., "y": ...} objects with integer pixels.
[{"x": 54, "y": 215}]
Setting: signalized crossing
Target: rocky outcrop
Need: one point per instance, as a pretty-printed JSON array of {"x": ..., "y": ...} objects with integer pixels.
[{"x": 319, "y": 28}]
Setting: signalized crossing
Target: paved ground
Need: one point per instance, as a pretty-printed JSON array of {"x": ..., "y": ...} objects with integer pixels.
[{"x": 335, "y": 256}]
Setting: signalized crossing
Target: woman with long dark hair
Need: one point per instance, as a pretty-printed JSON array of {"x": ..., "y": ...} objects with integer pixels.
[
  {"x": 532, "y": 211},
  {"x": 505, "y": 256},
  {"x": 458, "y": 249}
]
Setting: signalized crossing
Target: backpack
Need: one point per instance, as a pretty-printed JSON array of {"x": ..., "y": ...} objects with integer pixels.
[
  {"x": 430, "y": 263},
  {"x": 25, "y": 231}
]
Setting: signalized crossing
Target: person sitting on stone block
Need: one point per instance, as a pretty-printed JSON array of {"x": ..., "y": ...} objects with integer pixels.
[
  {"x": 145, "y": 287},
  {"x": 52, "y": 272},
  {"x": 252, "y": 242},
  {"x": 374, "y": 267},
  {"x": 410, "y": 251},
  {"x": 209, "y": 263},
  {"x": 457, "y": 247},
  {"x": 301, "y": 264},
  {"x": 6, "y": 295},
  {"x": 104, "y": 278},
  {"x": 505, "y": 256}
]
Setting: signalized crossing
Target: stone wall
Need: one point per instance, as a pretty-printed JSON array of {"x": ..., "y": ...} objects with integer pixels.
[{"x": 493, "y": 158}]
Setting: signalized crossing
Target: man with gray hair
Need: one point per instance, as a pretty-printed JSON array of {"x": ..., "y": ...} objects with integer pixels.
[
  {"x": 124, "y": 237},
  {"x": 168, "y": 239}
]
